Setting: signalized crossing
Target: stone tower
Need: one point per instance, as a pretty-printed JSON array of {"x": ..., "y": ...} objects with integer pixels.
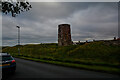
[{"x": 64, "y": 35}]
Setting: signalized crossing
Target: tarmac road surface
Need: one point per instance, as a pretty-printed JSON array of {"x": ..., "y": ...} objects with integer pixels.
[{"x": 35, "y": 70}]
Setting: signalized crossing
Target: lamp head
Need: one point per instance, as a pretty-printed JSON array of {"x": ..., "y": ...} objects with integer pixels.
[{"x": 17, "y": 26}]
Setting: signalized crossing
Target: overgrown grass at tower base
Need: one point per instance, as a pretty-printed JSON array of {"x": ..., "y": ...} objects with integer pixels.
[{"x": 90, "y": 54}]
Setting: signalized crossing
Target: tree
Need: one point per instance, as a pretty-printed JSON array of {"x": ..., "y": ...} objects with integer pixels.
[{"x": 14, "y": 7}]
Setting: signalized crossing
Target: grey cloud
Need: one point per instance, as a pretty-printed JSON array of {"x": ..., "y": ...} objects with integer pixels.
[
  {"x": 45, "y": 10},
  {"x": 88, "y": 21}
]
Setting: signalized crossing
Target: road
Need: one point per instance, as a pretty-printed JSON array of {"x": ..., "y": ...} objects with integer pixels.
[{"x": 35, "y": 70}]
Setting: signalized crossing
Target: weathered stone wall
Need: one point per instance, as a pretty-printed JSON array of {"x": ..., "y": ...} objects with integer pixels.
[{"x": 64, "y": 35}]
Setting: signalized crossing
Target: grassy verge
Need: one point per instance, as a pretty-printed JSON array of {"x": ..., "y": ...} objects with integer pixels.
[
  {"x": 106, "y": 69},
  {"x": 98, "y": 56}
]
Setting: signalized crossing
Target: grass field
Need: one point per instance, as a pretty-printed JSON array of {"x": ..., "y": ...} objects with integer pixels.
[{"x": 94, "y": 55}]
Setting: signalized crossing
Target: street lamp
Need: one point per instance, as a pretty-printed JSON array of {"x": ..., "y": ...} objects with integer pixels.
[{"x": 18, "y": 38}]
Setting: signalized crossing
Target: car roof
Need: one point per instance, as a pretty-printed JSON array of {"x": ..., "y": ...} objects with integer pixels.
[{"x": 4, "y": 54}]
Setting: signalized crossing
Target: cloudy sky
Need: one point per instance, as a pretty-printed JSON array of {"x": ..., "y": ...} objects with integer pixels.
[{"x": 88, "y": 20}]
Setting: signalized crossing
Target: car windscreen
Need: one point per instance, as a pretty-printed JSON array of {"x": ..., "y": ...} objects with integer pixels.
[{"x": 6, "y": 58}]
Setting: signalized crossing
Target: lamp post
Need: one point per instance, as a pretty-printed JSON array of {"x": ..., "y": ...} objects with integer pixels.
[
  {"x": 119, "y": 19},
  {"x": 18, "y": 38}
]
